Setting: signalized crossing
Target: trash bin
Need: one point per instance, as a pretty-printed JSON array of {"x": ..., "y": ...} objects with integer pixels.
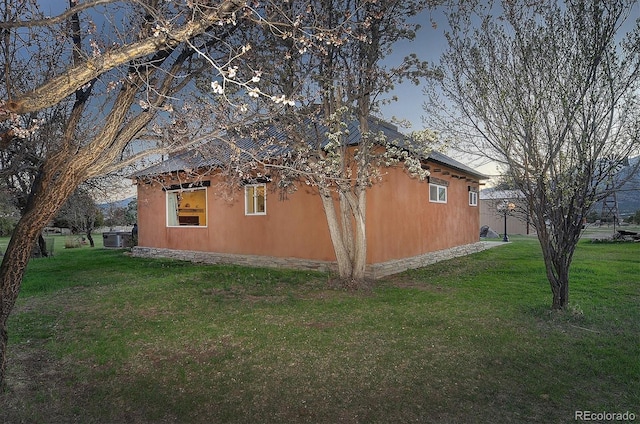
[
  {"x": 111, "y": 239},
  {"x": 118, "y": 239},
  {"x": 126, "y": 239}
]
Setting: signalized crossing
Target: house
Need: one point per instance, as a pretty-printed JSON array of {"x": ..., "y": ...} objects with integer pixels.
[
  {"x": 410, "y": 223},
  {"x": 492, "y": 212}
]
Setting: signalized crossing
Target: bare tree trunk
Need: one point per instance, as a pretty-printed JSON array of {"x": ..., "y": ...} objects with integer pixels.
[
  {"x": 357, "y": 206},
  {"x": 558, "y": 276},
  {"x": 360, "y": 260},
  {"x": 345, "y": 267},
  {"x": 59, "y": 176},
  {"x": 346, "y": 222},
  {"x": 17, "y": 254},
  {"x": 4, "y": 339},
  {"x": 42, "y": 245},
  {"x": 558, "y": 255},
  {"x": 560, "y": 290},
  {"x": 90, "y": 238}
]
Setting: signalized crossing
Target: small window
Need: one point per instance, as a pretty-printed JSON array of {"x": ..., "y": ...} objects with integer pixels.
[
  {"x": 437, "y": 193},
  {"x": 255, "y": 201},
  {"x": 473, "y": 198},
  {"x": 187, "y": 208}
]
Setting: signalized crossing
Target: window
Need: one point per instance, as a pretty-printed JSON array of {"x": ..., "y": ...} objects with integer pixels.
[
  {"x": 473, "y": 198},
  {"x": 437, "y": 193},
  {"x": 255, "y": 202},
  {"x": 187, "y": 208}
]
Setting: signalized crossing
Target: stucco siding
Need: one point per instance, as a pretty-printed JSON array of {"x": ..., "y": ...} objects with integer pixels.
[
  {"x": 401, "y": 221},
  {"x": 294, "y": 227}
]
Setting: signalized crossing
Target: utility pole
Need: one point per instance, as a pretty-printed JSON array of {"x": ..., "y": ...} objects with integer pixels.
[{"x": 610, "y": 203}]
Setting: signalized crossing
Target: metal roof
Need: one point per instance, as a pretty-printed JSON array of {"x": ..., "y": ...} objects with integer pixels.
[
  {"x": 493, "y": 194},
  {"x": 452, "y": 163},
  {"x": 196, "y": 158}
]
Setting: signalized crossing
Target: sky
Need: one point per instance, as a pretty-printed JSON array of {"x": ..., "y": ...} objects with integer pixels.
[{"x": 428, "y": 45}]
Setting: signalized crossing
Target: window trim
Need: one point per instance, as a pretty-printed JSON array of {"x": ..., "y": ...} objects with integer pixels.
[
  {"x": 473, "y": 198},
  {"x": 169, "y": 212},
  {"x": 438, "y": 188},
  {"x": 255, "y": 204}
]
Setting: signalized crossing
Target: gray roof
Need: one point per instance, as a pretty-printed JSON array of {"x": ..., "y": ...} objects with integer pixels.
[
  {"x": 191, "y": 159},
  {"x": 493, "y": 194},
  {"x": 195, "y": 159},
  {"x": 452, "y": 163}
]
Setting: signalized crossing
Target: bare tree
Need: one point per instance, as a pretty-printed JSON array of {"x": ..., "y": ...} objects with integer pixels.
[
  {"x": 145, "y": 68},
  {"x": 550, "y": 91},
  {"x": 80, "y": 213}
]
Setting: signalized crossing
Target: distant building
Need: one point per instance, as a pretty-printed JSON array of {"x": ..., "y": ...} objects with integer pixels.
[{"x": 518, "y": 221}]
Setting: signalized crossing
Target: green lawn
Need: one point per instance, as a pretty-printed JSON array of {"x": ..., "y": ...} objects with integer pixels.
[{"x": 98, "y": 336}]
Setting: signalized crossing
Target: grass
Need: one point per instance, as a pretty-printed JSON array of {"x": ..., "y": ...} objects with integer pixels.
[{"x": 98, "y": 336}]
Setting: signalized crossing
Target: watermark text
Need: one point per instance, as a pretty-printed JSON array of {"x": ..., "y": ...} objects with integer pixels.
[{"x": 604, "y": 416}]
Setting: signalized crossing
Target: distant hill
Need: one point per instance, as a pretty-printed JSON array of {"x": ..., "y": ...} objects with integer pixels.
[
  {"x": 629, "y": 195},
  {"x": 117, "y": 204}
]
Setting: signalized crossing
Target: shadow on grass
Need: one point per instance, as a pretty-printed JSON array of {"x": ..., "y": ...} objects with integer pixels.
[{"x": 123, "y": 339}]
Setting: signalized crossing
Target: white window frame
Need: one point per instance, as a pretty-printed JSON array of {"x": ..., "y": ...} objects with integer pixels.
[
  {"x": 473, "y": 198},
  {"x": 172, "y": 203},
  {"x": 439, "y": 189},
  {"x": 255, "y": 199}
]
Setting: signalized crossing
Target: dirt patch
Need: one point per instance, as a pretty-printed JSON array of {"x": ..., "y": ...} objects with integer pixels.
[
  {"x": 38, "y": 385},
  {"x": 245, "y": 294},
  {"x": 282, "y": 292},
  {"x": 353, "y": 286},
  {"x": 35, "y": 383}
]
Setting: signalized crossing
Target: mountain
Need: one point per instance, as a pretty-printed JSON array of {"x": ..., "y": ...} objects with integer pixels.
[
  {"x": 116, "y": 204},
  {"x": 629, "y": 194}
]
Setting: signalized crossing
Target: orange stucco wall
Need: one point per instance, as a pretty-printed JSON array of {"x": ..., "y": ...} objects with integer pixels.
[
  {"x": 291, "y": 228},
  {"x": 401, "y": 222}
]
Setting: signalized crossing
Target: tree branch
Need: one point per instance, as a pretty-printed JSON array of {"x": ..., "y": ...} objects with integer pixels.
[
  {"x": 67, "y": 83},
  {"x": 61, "y": 17}
]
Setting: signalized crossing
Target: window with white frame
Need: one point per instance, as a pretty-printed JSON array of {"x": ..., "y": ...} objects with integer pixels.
[
  {"x": 255, "y": 199},
  {"x": 437, "y": 193},
  {"x": 473, "y": 198},
  {"x": 187, "y": 207}
]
